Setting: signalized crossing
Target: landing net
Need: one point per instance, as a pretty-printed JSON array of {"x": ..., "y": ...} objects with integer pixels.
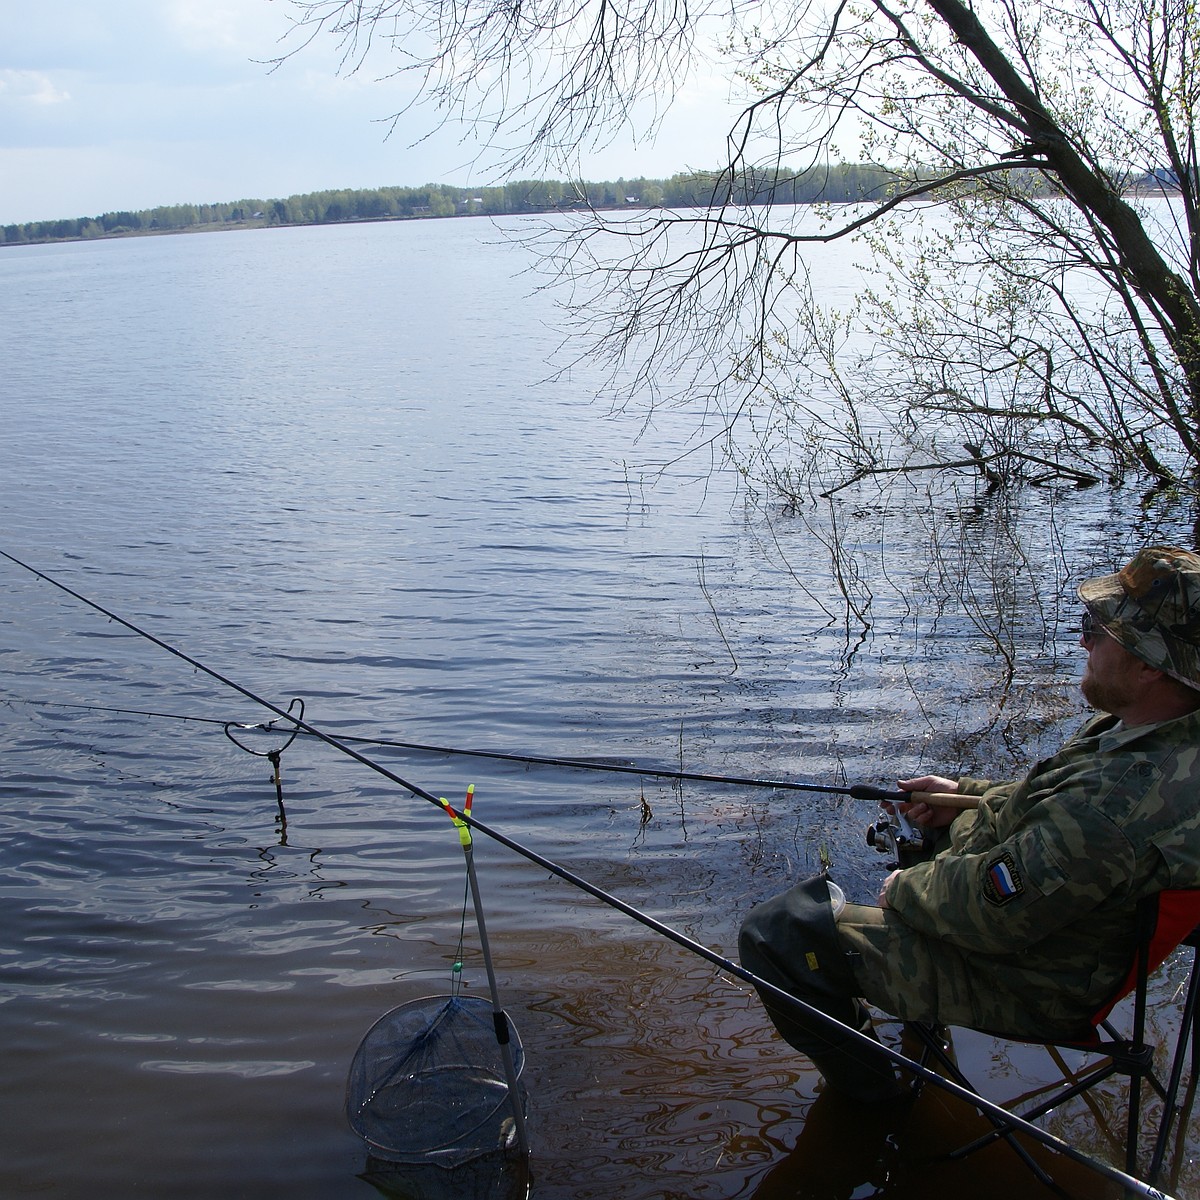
[{"x": 428, "y": 1083}]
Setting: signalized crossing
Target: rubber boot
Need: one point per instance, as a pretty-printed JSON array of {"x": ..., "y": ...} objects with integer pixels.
[
  {"x": 791, "y": 942},
  {"x": 857, "y": 1071}
]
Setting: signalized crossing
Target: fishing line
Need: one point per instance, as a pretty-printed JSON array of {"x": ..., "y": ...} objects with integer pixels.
[
  {"x": 1009, "y": 1122},
  {"x": 141, "y": 712}
]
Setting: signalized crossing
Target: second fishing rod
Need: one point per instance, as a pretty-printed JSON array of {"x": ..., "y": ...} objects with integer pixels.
[{"x": 856, "y": 791}]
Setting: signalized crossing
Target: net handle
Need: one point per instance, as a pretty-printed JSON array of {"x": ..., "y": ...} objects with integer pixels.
[{"x": 499, "y": 1016}]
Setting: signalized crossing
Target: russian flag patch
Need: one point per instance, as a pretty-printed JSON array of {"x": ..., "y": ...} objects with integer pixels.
[{"x": 1003, "y": 882}]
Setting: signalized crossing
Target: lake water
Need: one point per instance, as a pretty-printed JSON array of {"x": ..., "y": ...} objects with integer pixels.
[{"x": 336, "y": 464}]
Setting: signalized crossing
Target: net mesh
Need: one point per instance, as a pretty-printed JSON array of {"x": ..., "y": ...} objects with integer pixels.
[
  {"x": 427, "y": 1083},
  {"x": 501, "y": 1176}
]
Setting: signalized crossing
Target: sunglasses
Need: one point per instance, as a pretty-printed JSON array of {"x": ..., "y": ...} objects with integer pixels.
[{"x": 1089, "y": 629}]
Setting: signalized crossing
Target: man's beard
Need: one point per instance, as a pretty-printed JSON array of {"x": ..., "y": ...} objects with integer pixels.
[{"x": 1106, "y": 695}]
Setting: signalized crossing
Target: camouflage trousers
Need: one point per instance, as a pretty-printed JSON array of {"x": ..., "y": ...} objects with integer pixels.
[
  {"x": 870, "y": 954},
  {"x": 918, "y": 978}
]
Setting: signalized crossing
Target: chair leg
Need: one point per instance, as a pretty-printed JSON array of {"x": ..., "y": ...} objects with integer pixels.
[
  {"x": 934, "y": 1048},
  {"x": 1189, "y": 1020},
  {"x": 1134, "y": 1125}
]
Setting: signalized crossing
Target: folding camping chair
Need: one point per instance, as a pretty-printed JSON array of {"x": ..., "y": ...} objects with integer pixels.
[{"x": 1165, "y": 921}]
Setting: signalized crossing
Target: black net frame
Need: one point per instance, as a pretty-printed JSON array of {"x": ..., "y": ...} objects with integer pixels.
[{"x": 428, "y": 1083}]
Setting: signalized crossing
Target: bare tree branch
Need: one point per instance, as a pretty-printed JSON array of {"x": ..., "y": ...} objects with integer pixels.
[{"x": 1021, "y": 295}]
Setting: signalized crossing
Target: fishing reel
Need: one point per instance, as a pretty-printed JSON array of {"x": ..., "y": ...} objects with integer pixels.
[{"x": 893, "y": 833}]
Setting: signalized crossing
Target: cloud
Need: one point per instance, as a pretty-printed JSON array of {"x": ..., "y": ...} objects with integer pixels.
[
  {"x": 30, "y": 87},
  {"x": 240, "y": 32},
  {"x": 147, "y": 102}
]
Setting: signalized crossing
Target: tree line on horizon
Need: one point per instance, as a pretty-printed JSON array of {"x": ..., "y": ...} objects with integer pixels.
[{"x": 696, "y": 189}]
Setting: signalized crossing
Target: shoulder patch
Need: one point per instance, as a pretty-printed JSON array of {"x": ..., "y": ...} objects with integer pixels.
[{"x": 1003, "y": 881}]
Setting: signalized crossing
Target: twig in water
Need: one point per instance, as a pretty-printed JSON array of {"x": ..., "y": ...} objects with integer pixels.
[{"x": 716, "y": 616}]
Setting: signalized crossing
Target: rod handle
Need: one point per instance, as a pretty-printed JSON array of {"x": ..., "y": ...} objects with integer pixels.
[
  {"x": 866, "y": 791},
  {"x": 943, "y": 799}
]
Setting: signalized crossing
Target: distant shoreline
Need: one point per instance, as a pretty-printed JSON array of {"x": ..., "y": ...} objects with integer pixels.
[
  {"x": 231, "y": 226},
  {"x": 696, "y": 189},
  {"x": 834, "y": 184}
]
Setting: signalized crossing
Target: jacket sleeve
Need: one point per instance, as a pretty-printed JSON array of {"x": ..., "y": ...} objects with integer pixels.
[
  {"x": 969, "y": 786},
  {"x": 977, "y": 826},
  {"x": 999, "y": 895}
]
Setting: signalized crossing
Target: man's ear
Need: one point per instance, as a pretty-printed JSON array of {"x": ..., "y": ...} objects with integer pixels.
[
  {"x": 1149, "y": 674},
  {"x": 1168, "y": 687}
]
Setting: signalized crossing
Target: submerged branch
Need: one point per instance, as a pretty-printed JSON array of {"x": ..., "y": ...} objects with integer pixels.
[{"x": 977, "y": 460}]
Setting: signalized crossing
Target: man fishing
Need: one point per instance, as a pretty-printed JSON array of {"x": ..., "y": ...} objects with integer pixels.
[{"x": 1024, "y": 925}]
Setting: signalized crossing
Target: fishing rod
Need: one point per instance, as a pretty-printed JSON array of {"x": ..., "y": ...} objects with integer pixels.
[
  {"x": 1005, "y": 1121},
  {"x": 856, "y": 791}
]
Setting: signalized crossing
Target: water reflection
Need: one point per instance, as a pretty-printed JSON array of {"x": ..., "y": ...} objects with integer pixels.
[{"x": 846, "y": 1153}]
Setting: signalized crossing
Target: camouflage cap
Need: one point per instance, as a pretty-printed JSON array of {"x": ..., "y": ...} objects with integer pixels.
[{"x": 1152, "y": 608}]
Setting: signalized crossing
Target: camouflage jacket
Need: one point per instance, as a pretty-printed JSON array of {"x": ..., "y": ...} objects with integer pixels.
[{"x": 1039, "y": 884}]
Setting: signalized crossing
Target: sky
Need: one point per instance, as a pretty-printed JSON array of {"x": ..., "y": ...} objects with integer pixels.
[{"x": 132, "y": 104}]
